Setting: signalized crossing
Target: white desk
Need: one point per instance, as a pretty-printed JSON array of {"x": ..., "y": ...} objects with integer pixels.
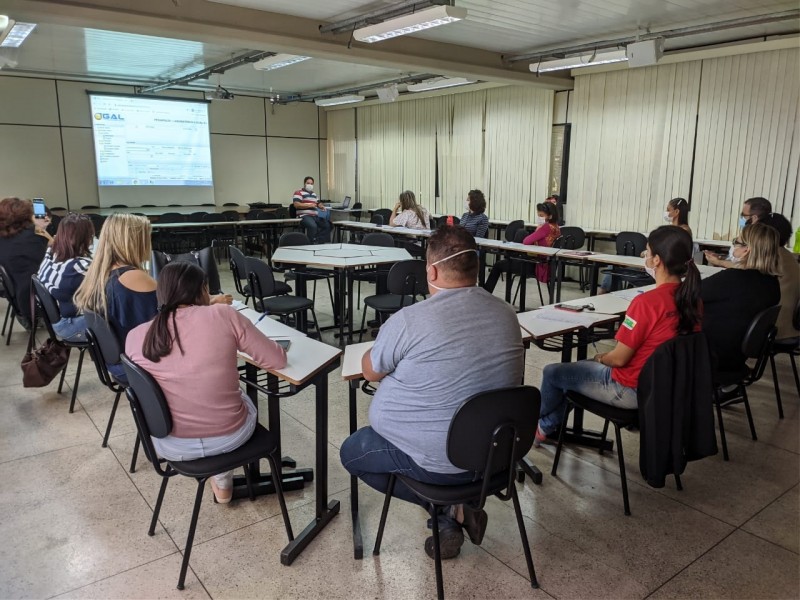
[
  {"x": 342, "y": 258},
  {"x": 237, "y": 224},
  {"x": 632, "y": 262},
  {"x": 372, "y": 227},
  {"x": 308, "y": 363}
]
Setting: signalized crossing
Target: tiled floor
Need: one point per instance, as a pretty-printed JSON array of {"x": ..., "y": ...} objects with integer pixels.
[{"x": 75, "y": 521}]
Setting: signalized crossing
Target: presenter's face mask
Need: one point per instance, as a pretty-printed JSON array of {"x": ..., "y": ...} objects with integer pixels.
[
  {"x": 434, "y": 286},
  {"x": 309, "y": 187}
]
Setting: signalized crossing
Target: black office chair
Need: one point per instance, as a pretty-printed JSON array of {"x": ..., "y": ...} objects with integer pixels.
[
  {"x": 8, "y": 291},
  {"x": 756, "y": 346},
  {"x": 196, "y": 217},
  {"x": 406, "y": 282},
  {"x": 489, "y": 434},
  {"x": 262, "y": 283},
  {"x": 298, "y": 238},
  {"x": 105, "y": 349},
  {"x": 47, "y": 308},
  {"x": 89, "y": 207},
  {"x": 681, "y": 352},
  {"x": 376, "y": 274},
  {"x": 218, "y": 236},
  {"x": 384, "y": 213},
  {"x": 203, "y": 258},
  {"x": 119, "y": 206},
  {"x": 97, "y": 222},
  {"x": 512, "y": 228},
  {"x": 152, "y": 416},
  {"x": 172, "y": 217},
  {"x": 239, "y": 271},
  {"x": 355, "y": 212},
  {"x": 790, "y": 347},
  {"x": 573, "y": 238},
  {"x": 629, "y": 243},
  {"x": 524, "y": 267},
  {"x": 230, "y": 204}
]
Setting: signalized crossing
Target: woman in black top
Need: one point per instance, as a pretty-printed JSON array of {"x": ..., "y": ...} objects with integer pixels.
[
  {"x": 23, "y": 242},
  {"x": 734, "y": 296}
]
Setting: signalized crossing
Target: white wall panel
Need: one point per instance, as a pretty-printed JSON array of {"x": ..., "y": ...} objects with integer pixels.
[
  {"x": 290, "y": 160},
  {"x": 292, "y": 120},
  {"x": 31, "y": 165},
  {"x": 239, "y": 164},
  {"x": 243, "y": 116},
  {"x": 25, "y": 101},
  {"x": 341, "y": 154},
  {"x": 81, "y": 167}
]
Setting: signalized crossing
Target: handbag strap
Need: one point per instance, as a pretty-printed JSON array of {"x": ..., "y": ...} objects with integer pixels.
[{"x": 32, "y": 337}]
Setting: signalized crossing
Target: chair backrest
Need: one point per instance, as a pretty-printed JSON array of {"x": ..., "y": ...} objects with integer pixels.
[
  {"x": 408, "y": 278},
  {"x": 758, "y": 339},
  {"x": 89, "y": 207},
  {"x": 377, "y": 238},
  {"x": 294, "y": 238},
  {"x": 519, "y": 235},
  {"x": 231, "y": 215},
  {"x": 571, "y": 238},
  {"x": 355, "y": 212},
  {"x": 172, "y": 217},
  {"x": 48, "y": 307},
  {"x": 230, "y": 204},
  {"x": 283, "y": 213},
  {"x": 213, "y": 218},
  {"x": 203, "y": 258},
  {"x": 383, "y": 213},
  {"x": 149, "y": 407},
  {"x": 104, "y": 345},
  {"x": 238, "y": 264},
  {"x": 254, "y": 214},
  {"x": 97, "y": 222},
  {"x": 512, "y": 228},
  {"x": 631, "y": 243},
  {"x": 376, "y": 220},
  {"x": 796, "y": 316},
  {"x": 118, "y": 206},
  {"x": 9, "y": 291},
  {"x": 262, "y": 281},
  {"x": 292, "y": 211},
  {"x": 493, "y": 430},
  {"x": 197, "y": 217}
]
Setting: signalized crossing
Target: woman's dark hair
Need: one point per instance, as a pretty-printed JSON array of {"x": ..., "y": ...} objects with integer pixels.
[
  {"x": 73, "y": 237},
  {"x": 673, "y": 246},
  {"x": 779, "y": 222},
  {"x": 682, "y": 206},
  {"x": 15, "y": 215},
  {"x": 178, "y": 283},
  {"x": 477, "y": 201},
  {"x": 307, "y": 177},
  {"x": 551, "y": 210}
]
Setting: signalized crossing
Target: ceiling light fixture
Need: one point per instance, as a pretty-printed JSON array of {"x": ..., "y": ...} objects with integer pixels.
[
  {"x": 12, "y": 34},
  {"x": 411, "y": 23},
  {"x": 438, "y": 83},
  {"x": 278, "y": 61},
  {"x": 349, "y": 99},
  {"x": 582, "y": 60}
]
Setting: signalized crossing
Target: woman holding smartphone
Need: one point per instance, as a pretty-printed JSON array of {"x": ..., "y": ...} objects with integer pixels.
[{"x": 190, "y": 349}]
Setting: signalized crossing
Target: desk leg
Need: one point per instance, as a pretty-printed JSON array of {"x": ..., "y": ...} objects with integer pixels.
[
  {"x": 508, "y": 274},
  {"x": 358, "y": 543},
  {"x": 523, "y": 286},
  {"x": 262, "y": 482},
  {"x": 594, "y": 279},
  {"x": 559, "y": 268},
  {"x": 481, "y": 267},
  {"x": 325, "y": 511}
]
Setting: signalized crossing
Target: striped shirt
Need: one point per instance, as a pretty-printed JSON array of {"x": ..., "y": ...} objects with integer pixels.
[
  {"x": 305, "y": 196},
  {"x": 62, "y": 279},
  {"x": 476, "y": 223}
]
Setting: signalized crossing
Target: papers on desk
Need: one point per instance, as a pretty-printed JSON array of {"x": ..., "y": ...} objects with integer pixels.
[
  {"x": 582, "y": 319},
  {"x": 629, "y": 294},
  {"x": 238, "y": 305}
]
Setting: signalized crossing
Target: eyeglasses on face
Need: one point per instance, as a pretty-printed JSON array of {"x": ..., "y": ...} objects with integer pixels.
[{"x": 738, "y": 242}]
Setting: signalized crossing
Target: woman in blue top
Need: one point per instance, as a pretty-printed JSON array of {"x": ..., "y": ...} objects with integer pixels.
[
  {"x": 62, "y": 271},
  {"x": 475, "y": 220}
]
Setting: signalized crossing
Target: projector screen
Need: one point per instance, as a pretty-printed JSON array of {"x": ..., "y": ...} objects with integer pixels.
[{"x": 151, "y": 150}]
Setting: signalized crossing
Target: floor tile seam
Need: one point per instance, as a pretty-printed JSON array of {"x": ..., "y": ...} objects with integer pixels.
[
  {"x": 741, "y": 527},
  {"x": 80, "y": 587},
  {"x": 772, "y": 543},
  {"x": 10, "y": 460},
  {"x": 713, "y": 546}
]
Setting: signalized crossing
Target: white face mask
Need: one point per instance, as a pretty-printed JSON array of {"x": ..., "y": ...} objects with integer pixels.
[
  {"x": 434, "y": 286},
  {"x": 310, "y": 187},
  {"x": 730, "y": 257},
  {"x": 650, "y": 270},
  {"x": 667, "y": 218},
  {"x": 540, "y": 220}
]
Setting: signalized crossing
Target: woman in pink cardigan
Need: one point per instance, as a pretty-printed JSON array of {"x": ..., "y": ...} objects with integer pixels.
[
  {"x": 546, "y": 234},
  {"x": 190, "y": 349}
]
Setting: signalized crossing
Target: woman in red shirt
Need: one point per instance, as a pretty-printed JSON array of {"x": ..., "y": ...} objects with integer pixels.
[
  {"x": 546, "y": 234},
  {"x": 673, "y": 307}
]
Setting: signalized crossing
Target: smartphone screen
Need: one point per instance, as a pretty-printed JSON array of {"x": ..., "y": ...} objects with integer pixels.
[
  {"x": 284, "y": 343},
  {"x": 39, "y": 209}
]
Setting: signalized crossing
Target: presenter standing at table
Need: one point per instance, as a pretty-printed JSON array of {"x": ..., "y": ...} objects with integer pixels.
[
  {"x": 426, "y": 372},
  {"x": 316, "y": 218}
]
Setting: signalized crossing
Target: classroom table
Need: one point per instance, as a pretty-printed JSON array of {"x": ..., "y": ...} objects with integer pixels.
[
  {"x": 343, "y": 259},
  {"x": 309, "y": 363},
  {"x": 405, "y": 232},
  {"x": 631, "y": 262},
  {"x": 240, "y": 228}
]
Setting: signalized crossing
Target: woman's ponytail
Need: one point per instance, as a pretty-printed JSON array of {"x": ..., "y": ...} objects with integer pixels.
[{"x": 687, "y": 299}]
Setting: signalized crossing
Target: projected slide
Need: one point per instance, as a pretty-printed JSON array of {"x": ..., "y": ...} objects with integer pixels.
[{"x": 150, "y": 142}]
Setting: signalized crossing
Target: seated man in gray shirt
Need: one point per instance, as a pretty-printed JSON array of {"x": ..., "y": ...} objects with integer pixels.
[{"x": 430, "y": 357}]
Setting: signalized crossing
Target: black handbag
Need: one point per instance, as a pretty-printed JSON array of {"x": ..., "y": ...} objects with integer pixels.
[
  {"x": 202, "y": 258},
  {"x": 40, "y": 366}
]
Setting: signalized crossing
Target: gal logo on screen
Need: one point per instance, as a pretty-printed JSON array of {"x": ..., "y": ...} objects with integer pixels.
[{"x": 108, "y": 117}]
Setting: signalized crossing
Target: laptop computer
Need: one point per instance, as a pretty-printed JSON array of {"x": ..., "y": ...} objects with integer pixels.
[{"x": 343, "y": 206}]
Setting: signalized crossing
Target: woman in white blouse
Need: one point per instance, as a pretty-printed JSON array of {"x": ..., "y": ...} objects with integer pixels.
[{"x": 407, "y": 213}]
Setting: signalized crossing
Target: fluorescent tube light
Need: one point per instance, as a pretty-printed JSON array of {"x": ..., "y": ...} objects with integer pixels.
[
  {"x": 584, "y": 60},
  {"x": 278, "y": 61},
  {"x": 411, "y": 23},
  {"x": 15, "y": 34},
  {"x": 437, "y": 83},
  {"x": 350, "y": 99}
]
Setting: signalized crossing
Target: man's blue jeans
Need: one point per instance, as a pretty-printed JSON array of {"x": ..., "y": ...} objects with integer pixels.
[
  {"x": 371, "y": 458},
  {"x": 318, "y": 228},
  {"x": 586, "y": 377}
]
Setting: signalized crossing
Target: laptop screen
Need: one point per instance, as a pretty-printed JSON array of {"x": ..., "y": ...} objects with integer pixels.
[{"x": 346, "y": 203}]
